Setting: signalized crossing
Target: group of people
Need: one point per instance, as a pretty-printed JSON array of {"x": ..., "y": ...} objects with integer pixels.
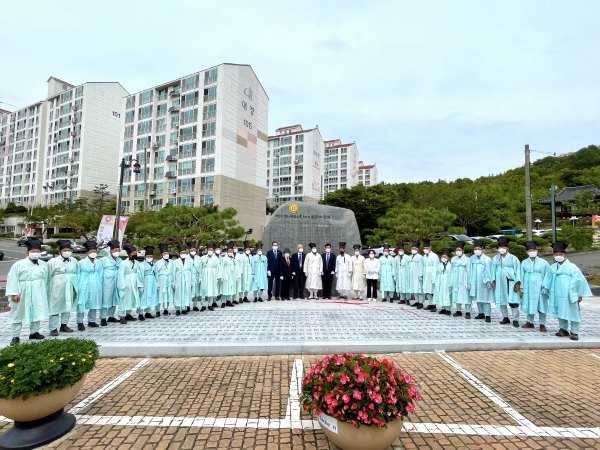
[{"x": 192, "y": 282}]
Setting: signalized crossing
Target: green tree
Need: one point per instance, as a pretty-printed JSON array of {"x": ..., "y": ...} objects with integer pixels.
[
  {"x": 102, "y": 200},
  {"x": 41, "y": 216}
]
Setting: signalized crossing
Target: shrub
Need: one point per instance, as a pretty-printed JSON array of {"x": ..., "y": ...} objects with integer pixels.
[
  {"x": 36, "y": 368},
  {"x": 506, "y": 226},
  {"x": 71, "y": 235},
  {"x": 359, "y": 390},
  {"x": 490, "y": 228},
  {"x": 517, "y": 250}
]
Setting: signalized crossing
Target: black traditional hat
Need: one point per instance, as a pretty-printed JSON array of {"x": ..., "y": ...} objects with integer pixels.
[
  {"x": 246, "y": 244},
  {"x": 114, "y": 244},
  {"x": 217, "y": 245},
  {"x": 230, "y": 245},
  {"x": 259, "y": 245},
  {"x": 286, "y": 250},
  {"x": 90, "y": 245},
  {"x": 312, "y": 245},
  {"x": 446, "y": 251},
  {"x": 182, "y": 248},
  {"x": 460, "y": 244},
  {"x": 63, "y": 243},
  {"x": 149, "y": 249},
  {"x": 426, "y": 243},
  {"x": 163, "y": 248},
  {"x": 386, "y": 246},
  {"x": 416, "y": 244},
  {"x": 400, "y": 244},
  {"x": 560, "y": 247},
  {"x": 342, "y": 245},
  {"x": 191, "y": 244},
  {"x": 33, "y": 244},
  {"x": 530, "y": 245},
  {"x": 503, "y": 242},
  {"x": 356, "y": 246},
  {"x": 477, "y": 243},
  {"x": 129, "y": 248}
]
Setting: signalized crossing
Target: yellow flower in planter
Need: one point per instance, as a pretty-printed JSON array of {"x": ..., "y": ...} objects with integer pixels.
[
  {"x": 12, "y": 381},
  {"x": 11, "y": 365},
  {"x": 51, "y": 360},
  {"x": 73, "y": 363},
  {"x": 82, "y": 359},
  {"x": 61, "y": 358}
]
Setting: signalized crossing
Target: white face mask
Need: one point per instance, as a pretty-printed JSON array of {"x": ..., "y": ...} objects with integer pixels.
[
  {"x": 459, "y": 253},
  {"x": 386, "y": 253},
  {"x": 328, "y": 250},
  {"x": 183, "y": 255},
  {"x": 230, "y": 254},
  {"x": 314, "y": 250},
  {"x": 235, "y": 250},
  {"x": 414, "y": 251},
  {"x": 165, "y": 257},
  {"x": 35, "y": 256},
  {"x": 248, "y": 252},
  {"x": 502, "y": 251},
  {"x": 371, "y": 256},
  {"x": 444, "y": 259},
  {"x": 401, "y": 252},
  {"x": 210, "y": 253},
  {"x": 218, "y": 251},
  {"x": 287, "y": 255},
  {"x": 66, "y": 254},
  {"x": 149, "y": 259},
  {"x": 532, "y": 254},
  {"x": 426, "y": 251},
  {"x": 559, "y": 259},
  {"x": 93, "y": 255},
  {"x": 193, "y": 253},
  {"x": 300, "y": 250},
  {"x": 477, "y": 252},
  {"x": 275, "y": 247},
  {"x": 115, "y": 254},
  {"x": 357, "y": 253},
  {"x": 259, "y": 252}
]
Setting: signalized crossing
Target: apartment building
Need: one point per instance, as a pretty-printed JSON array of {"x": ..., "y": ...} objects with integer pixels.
[
  {"x": 340, "y": 165},
  {"x": 200, "y": 139},
  {"x": 367, "y": 174},
  {"x": 294, "y": 163}
]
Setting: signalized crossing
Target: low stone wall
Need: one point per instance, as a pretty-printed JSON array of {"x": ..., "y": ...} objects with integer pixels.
[{"x": 3, "y": 300}]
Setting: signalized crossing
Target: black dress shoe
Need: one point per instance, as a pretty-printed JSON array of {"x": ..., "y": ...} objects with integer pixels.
[
  {"x": 130, "y": 318},
  {"x": 562, "y": 333},
  {"x": 203, "y": 309},
  {"x": 222, "y": 305},
  {"x": 488, "y": 319},
  {"x": 184, "y": 312},
  {"x": 277, "y": 298},
  {"x": 448, "y": 312},
  {"x": 103, "y": 323},
  {"x": 141, "y": 317},
  {"x": 415, "y": 304},
  {"x": 54, "y": 333},
  {"x": 210, "y": 308},
  {"x": 93, "y": 325},
  {"x": 504, "y": 321},
  {"x": 246, "y": 300},
  {"x": 457, "y": 314},
  {"x": 442, "y": 311},
  {"x": 149, "y": 316},
  {"x": 177, "y": 313},
  {"x": 188, "y": 309},
  {"x": 420, "y": 306},
  {"x": 15, "y": 341},
  {"x": 260, "y": 300},
  {"x": 157, "y": 313},
  {"x": 123, "y": 321},
  {"x": 385, "y": 300},
  {"x": 80, "y": 327},
  {"x": 391, "y": 300},
  {"x": 574, "y": 337},
  {"x": 112, "y": 320},
  {"x": 65, "y": 329},
  {"x": 268, "y": 299},
  {"x": 235, "y": 302},
  {"x": 228, "y": 303},
  {"x": 467, "y": 315},
  {"x": 254, "y": 301},
  {"x": 195, "y": 308},
  {"x": 516, "y": 323},
  {"x": 302, "y": 298},
  {"x": 480, "y": 316},
  {"x": 434, "y": 309},
  {"x": 166, "y": 312},
  {"x": 36, "y": 336},
  {"x": 214, "y": 305}
]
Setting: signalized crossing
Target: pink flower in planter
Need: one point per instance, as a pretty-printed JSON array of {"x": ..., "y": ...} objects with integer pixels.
[
  {"x": 345, "y": 398},
  {"x": 344, "y": 378},
  {"x": 410, "y": 408},
  {"x": 356, "y": 395}
]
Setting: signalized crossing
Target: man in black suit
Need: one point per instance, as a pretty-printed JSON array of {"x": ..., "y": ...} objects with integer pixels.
[
  {"x": 285, "y": 274},
  {"x": 273, "y": 257},
  {"x": 328, "y": 271},
  {"x": 298, "y": 272}
]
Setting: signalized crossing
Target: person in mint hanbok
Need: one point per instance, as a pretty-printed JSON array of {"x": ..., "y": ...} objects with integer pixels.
[
  {"x": 164, "y": 278},
  {"x": 415, "y": 275},
  {"x": 534, "y": 296},
  {"x": 343, "y": 272},
  {"x": 401, "y": 274},
  {"x": 567, "y": 287},
  {"x": 461, "y": 274},
  {"x": 237, "y": 298},
  {"x": 228, "y": 274},
  {"x": 442, "y": 296},
  {"x": 480, "y": 281},
  {"x": 89, "y": 286},
  {"x": 220, "y": 255},
  {"x": 196, "y": 273},
  {"x": 209, "y": 285},
  {"x": 259, "y": 273},
  {"x": 110, "y": 296},
  {"x": 181, "y": 271},
  {"x": 507, "y": 282},
  {"x": 386, "y": 275},
  {"x": 26, "y": 289},
  {"x": 149, "y": 283},
  {"x": 430, "y": 268},
  {"x": 62, "y": 288},
  {"x": 245, "y": 264},
  {"x": 129, "y": 285}
]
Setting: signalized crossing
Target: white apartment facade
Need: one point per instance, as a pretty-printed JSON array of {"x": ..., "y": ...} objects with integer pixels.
[
  {"x": 367, "y": 174},
  {"x": 202, "y": 139},
  {"x": 340, "y": 165},
  {"x": 294, "y": 163}
]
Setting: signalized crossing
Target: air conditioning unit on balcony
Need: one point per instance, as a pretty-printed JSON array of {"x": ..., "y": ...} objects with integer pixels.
[
  {"x": 75, "y": 107},
  {"x": 170, "y": 175},
  {"x": 69, "y": 186},
  {"x": 152, "y": 193},
  {"x": 73, "y": 133},
  {"x": 71, "y": 160},
  {"x": 69, "y": 173},
  {"x": 74, "y": 120},
  {"x": 295, "y": 183},
  {"x": 171, "y": 157},
  {"x": 172, "y": 191},
  {"x": 175, "y": 142},
  {"x": 155, "y": 144},
  {"x": 175, "y": 125}
]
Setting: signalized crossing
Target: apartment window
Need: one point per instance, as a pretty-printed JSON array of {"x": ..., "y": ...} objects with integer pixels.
[
  {"x": 299, "y": 138},
  {"x": 173, "y": 138},
  {"x": 209, "y": 111},
  {"x": 145, "y": 97},
  {"x": 285, "y": 181},
  {"x": 145, "y": 112},
  {"x": 207, "y": 183},
  {"x": 161, "y": 140},
  {"x": 190, "y": 83},
  {"x": 285, "y": 160},
  {"x": 162, "y": 95},
  {"x": 129, "y": 116},
  {"x": 299, "y": 169},
  {"x": 344, "y": 158},
  {"x": 187, "y": 134},
  {"x": 275, "y": 172},
  {"x": 298, "y": 190},
  {"x": 299, "y": 148},
  {"x": 285, "y": 170},
  {"x": 128, "y": 132},
  {"x": 128, "y": 146},
  {"x": 276, "y": 162},
  {"x": 208, "y": 147},
  {"x": 189, "y": 116},
  {"x": 190, "y": 99},
  {"x": 208, "y": 165},
  {"x": 161, "y": 125},
  {"x": 286, "y": 140},
  {"x": 79, "y": 92},
  {"x": 130, "y": 102},
  {"x": 207, "y": 199},
  {"x": 299, "y": 159},
  {"x": 161, "y": 110},
  {"x": 210, "y": 76},
  {"x": 209, "y": 129},
  {"x": 287, "y": 150},
  {"x": 210, "y": 94},
  {"x": 275, "y": 142},
  {"x": 187, "y": 168},
  {"x": 188, "y": 151},
  {"x": 159, "y": 173},
  {"x": 65, "y": 109},
  {"x": 143, "y": 143},
  {"x": 144, "y": 127},
  {"x": 66, "y": 96}
]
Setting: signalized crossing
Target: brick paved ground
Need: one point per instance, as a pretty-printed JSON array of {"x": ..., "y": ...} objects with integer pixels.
[{"x": 566, "y": 395}]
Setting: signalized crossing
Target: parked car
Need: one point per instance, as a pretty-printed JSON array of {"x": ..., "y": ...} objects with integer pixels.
[
  {"x": 461, "y": 238},
  {"x": 77, "y": 248},
  {"x": 1, "y": 255},
  {"x": 494, "y": 237},
  {"x": 23, "y": 239},
  {"x": 378, "y": 251},
  {"x": 45, "y": 256}
]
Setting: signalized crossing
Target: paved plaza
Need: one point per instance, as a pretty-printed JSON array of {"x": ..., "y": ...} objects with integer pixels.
[{"x": 320, "y": 327}]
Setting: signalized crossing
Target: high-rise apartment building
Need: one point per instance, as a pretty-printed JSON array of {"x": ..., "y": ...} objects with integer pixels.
[
  {"x": 340, "y": 165},
  {"x": 201, "y": 139},
  {"x": 294, "y": 162},
  {"x": 61, "y": 147},
  {"x": 367, "y": 174}
]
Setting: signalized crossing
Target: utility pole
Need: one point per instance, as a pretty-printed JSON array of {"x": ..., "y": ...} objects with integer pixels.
[
  {"x": 145, "y": 183},
  {"x": 553, "y": 211},
  {"x": 528, "y": 216}
]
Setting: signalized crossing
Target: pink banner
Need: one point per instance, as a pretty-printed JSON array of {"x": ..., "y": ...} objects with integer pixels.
[{"x": 107, "y": 226}]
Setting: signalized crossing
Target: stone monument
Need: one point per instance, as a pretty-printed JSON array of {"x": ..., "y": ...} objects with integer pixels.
[{"x": 296, "y": 223}]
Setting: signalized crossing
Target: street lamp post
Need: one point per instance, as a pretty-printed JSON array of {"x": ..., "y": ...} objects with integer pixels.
[{"x": 123, "y": 166}]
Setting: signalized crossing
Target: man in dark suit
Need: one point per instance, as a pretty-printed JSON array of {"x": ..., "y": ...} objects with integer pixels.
[
  {"x": 285, "y": 274},
  {"x": 273, "y": 257},
  {"x": 328, "y": 271},
  {"x": 298, "y": 272}
]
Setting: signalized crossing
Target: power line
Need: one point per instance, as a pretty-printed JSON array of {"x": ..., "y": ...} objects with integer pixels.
[
  {"x": 15, "y": 106},
  {"x": 548, "y": 153}
]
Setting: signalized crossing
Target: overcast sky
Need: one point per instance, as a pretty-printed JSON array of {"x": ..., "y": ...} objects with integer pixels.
[{"x": 428, "y": 89}]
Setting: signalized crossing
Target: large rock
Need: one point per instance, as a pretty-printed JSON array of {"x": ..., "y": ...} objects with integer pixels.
[{"x": 296, "y": 223}]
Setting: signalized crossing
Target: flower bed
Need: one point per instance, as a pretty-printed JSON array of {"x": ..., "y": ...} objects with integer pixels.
[{"x": 358, "y": 389}]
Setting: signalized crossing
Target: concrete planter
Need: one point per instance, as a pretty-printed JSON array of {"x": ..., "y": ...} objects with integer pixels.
[{"x": 368, "y": 437}]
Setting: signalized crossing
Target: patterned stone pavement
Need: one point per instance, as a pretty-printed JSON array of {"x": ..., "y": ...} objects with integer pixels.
[
  {"x": 292, "y": 327},
  {"x": 517, "y": 399}
]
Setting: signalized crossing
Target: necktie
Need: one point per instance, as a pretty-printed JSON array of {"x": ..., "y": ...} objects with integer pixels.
[
  {"x": 328, "y": 260},
  {"x": 287, "y": 260},
  {"x": 300, "y": 256}
]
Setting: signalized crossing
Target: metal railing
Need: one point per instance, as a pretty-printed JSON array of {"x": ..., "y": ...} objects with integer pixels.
[{"x": 210, "y": 97}]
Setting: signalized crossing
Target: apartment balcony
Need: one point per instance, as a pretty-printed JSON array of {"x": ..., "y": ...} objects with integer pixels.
[
  {"x": 138, "y": 194},
  {"x": 188, "y": 137},
  {"x": 208, "y": 133},
  {"x": 189, "y": 87},
  {"x": 207, "y": 168},
  {"x": 183, "y": 172},
  {"x": 188, "y": 103},
  {"x": 174, "y": 93},
  {"x": 210, "y": 80},
  {"x": 207, "y": 187},
  {"x": 209, "y": 115},
  {"x": 161, "y": 128},
  {"x": 190, "y": 119},
  {"x": 162, "y": 97},
  {"x": 183, "y": 189},
  {"x": 174, "y": 109},
  {"x": 210, "y": 98},
  {"x": 174, "y": 125}
]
